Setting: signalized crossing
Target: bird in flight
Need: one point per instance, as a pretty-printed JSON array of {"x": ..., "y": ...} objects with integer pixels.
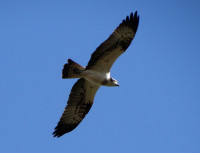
[{"x": 94, "y": 75}]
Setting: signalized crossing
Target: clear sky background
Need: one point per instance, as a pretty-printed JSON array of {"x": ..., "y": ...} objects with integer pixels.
[{"x": 156, "y": 109}]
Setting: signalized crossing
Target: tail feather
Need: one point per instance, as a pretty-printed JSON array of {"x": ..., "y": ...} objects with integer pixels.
[{"x": 72, "y": 70}]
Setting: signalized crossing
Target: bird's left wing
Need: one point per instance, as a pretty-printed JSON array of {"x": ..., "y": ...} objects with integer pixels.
[
  {"x": 78, "y": 105},
  {"x": 105, "y": 55}
]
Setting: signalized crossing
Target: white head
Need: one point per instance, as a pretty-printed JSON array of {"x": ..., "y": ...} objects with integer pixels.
[{"x": 113, "y": 82}]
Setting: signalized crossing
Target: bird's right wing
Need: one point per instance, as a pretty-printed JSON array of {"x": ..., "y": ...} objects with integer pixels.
[{"x": 106, "y": 54}]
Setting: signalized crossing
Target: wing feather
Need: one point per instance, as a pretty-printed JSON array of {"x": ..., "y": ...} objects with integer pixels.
[
  {"x": 79, "y": 103},
  {"x": 105, "y": 55}
]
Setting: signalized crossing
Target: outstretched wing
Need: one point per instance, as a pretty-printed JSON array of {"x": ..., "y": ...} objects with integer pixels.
[
  {"x": 78, "y": 105},
  {"x": 106, "y": 54}
]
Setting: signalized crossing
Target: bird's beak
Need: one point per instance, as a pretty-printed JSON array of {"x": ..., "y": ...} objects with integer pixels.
[{"x": 117, "y": 85}]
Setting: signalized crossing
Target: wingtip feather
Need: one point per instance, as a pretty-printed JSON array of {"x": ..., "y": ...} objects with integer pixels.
[{"x": 132, "y": 21}]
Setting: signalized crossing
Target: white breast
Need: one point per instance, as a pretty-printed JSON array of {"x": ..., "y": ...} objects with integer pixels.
[{"x": 95, "y": 77}]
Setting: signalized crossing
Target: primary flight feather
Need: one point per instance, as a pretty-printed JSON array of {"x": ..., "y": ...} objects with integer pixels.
[{"x": 94, "y": 75}]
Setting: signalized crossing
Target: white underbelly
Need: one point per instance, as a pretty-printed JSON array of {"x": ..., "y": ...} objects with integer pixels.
[{"x": 95, "y": 77}]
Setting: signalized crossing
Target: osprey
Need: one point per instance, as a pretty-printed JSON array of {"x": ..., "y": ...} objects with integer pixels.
[{"x": 94, "y": 75}]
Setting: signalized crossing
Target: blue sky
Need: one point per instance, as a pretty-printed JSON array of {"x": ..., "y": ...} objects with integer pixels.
[{"x": 155, "y": 110}]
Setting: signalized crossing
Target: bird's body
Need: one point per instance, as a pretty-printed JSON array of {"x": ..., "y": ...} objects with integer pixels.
[
  {"x": 98, "y": 78},
  {"x": 94, "y": 75}
]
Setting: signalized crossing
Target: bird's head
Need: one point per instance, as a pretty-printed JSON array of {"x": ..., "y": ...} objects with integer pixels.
[{"x": 114, "y": 82}]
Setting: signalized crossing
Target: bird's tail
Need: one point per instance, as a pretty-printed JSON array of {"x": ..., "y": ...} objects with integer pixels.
[{"x": 72, "y": 70}]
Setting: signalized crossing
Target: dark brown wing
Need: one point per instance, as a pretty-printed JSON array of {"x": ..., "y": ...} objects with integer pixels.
[
  {"x": 78, "y": 105},
  {"x": 106, "y": 54}
]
